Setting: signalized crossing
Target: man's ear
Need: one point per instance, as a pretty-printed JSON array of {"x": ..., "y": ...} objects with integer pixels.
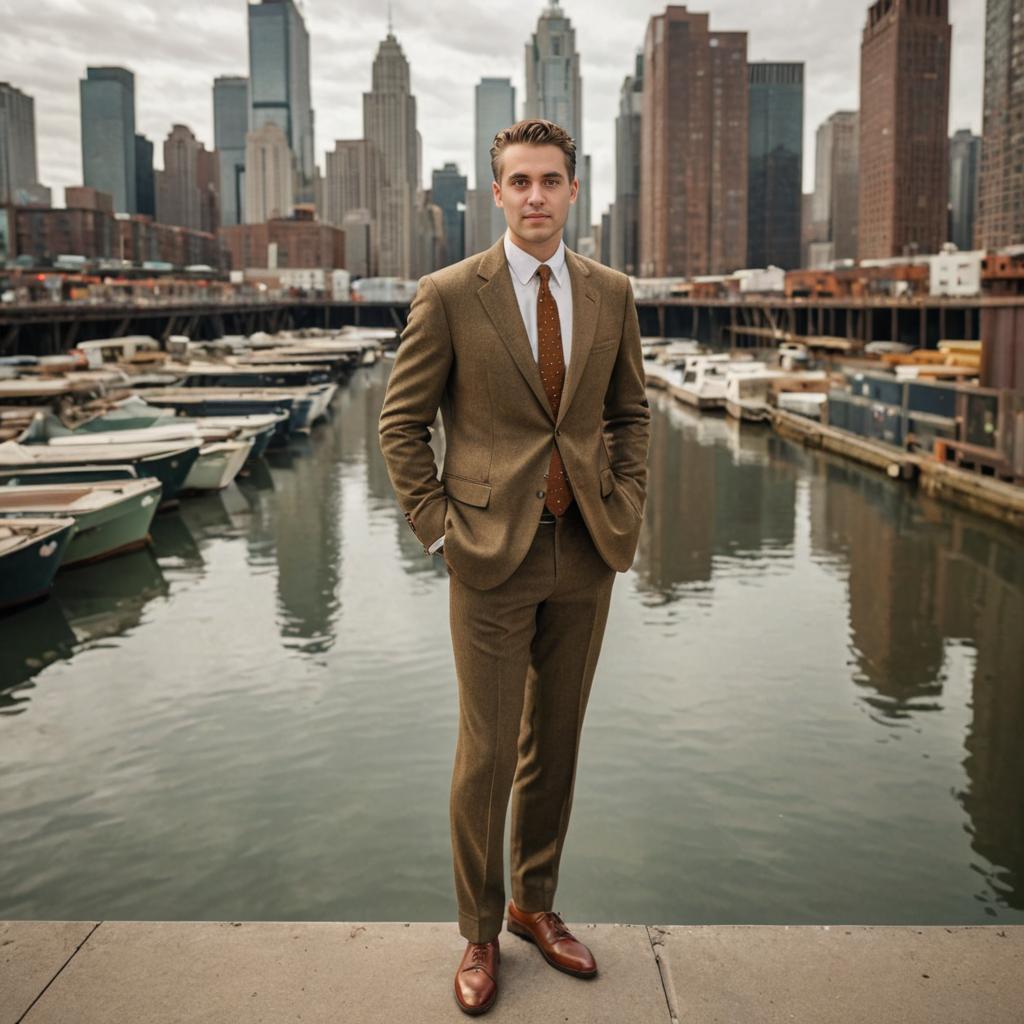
[{"x": 496, "y": 192}]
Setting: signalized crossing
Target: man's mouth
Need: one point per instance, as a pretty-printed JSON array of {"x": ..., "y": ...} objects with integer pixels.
[{"x": 536, "y": 216}]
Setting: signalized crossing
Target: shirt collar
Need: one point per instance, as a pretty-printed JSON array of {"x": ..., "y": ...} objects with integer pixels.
[{"x": 524, "y": 266}]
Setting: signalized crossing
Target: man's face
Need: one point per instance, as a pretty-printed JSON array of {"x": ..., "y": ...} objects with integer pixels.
[{"x": 535, "y": 191}]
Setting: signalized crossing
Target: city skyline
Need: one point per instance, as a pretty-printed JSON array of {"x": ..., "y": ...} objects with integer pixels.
[{"x": 174, "y": 82}]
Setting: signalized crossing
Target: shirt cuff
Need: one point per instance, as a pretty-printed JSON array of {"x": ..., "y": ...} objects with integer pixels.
[{"x": 437, "y": 545}]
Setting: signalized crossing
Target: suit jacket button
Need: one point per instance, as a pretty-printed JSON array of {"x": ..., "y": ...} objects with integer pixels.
[{"x": 540, "y": 494}]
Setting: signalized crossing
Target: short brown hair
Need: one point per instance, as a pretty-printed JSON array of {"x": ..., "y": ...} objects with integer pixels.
[{"x": 534, "y": 131}]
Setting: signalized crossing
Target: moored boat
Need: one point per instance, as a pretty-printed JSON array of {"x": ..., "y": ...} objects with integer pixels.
[
  {"x": 218, "y": 464},
  {"x": 110, "y": 516},
  {"x": 30, "y": 554},
  {"x": 168, "y": 462}
]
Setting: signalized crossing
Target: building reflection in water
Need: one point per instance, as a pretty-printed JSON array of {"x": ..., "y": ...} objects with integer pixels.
[
  {"x": 307, "y": 529},
  {"x": 87, "y": 604},
  {"x": 920, "y": 576},
  {"x": 713, "y": 493},
  {"x": 913, "y": 586}
]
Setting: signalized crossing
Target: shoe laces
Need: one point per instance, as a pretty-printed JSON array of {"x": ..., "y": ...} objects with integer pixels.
[
  {"x": 478, "y": 958},
  {"x": 559, "y": 926}
]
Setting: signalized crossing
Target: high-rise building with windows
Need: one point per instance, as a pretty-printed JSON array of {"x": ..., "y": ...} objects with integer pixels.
[
  {"x": 554, "y": 91},
  {"x": 693, "y": 154},
  {"x": 107, "y": 97},
  {"x": 622, "y": 239},
  {"x": 18, "y": 166},
  {"x": 270, "y": 175},
  {"x": 279, "y": 82},
  {"x": 964, "y": 158},
  {"x": 494, "y": 109},
  {"x": 353, "y": 179},
  {"x": 230, "y": 125},
  {"x": 187, "y": 189},
  {"x": 1001, "y": 183},
  {"x": 836, "y": 183},
  {"x": 904, "y": 128},
  {"x": 145, "y": 177},
  {"x": 448, "y": 192},
  {"x": 775, "y": 164},
  {"x": 389, "y": 123}
]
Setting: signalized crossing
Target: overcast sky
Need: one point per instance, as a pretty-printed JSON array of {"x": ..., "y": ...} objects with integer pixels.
[{"x": 177, "y": 49}]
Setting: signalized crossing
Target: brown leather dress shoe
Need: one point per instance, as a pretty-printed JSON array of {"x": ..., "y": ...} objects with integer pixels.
[
  {"x": 476, "y": 980},
  {"x": 556, "y": 943}
]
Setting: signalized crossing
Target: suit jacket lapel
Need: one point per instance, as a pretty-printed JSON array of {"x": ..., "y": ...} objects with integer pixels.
[
  {"x": 499, "y": 299},
  {"x": 584, "y": 324}
]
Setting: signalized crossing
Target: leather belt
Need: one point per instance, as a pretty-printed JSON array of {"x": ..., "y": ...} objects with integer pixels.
[{"x": 547, "y": 516}]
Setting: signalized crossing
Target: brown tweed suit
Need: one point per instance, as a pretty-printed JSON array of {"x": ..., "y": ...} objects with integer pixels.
[{"x": 528, "y": 602}]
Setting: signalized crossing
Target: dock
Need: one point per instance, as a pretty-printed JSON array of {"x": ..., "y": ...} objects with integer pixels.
[
  {"x": 973, "y": 491},
  {"x": 140, "y": 972}
]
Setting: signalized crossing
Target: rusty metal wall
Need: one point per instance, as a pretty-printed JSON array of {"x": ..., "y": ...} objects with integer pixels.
[{"x": 1002, "y": 350}]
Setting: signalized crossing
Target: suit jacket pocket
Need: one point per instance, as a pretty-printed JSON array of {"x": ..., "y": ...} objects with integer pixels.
[
  {"x": 607, "y": 482},
  {"x": 472, "y": 492}
]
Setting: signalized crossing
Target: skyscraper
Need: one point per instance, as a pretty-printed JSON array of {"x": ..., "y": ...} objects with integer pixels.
[
  {"x": 448, "y": 191},
  {"x": 1001, "y": 186},
  {"x": 107, "y": 97},
  {"x": 145, "y": 179},
  {"x": 279, "y": 88},
  {"x": 389, "y": 122},
  {"x": 904, "y": 125},
  {"x": 554, "y": 91},
  {"x": 693, "y": 154},
  {"x": 269, "y": 175},
  {"x": 188, "y": 186},
  {"x": 177, "y": 189},
  {"x": 836, "y": 183},
  {"x": 775, "y": 171},
  {"x": 352, "y": 181},
  {"x": 964, "y": 156},
  {"x": 495, "y": 108},
  {"x": 230, "y": 124},
  {"x": 18, "y": 167},
  {"x": 622, "y": 245}
]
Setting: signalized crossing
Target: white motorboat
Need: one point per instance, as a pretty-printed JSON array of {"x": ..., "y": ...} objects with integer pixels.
[
  {"x": 703, "y": 382},
  {"x": 218, "y": 464}
]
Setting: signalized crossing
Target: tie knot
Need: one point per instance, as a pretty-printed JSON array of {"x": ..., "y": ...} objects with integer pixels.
[{"x": 544, "y": 272}]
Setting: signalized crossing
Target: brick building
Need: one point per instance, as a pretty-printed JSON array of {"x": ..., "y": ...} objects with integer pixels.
[
  {"x": 904, "y": 117},
  {"x": 88, "y": 227},
  {"x": 301, "y": 243},
  {"x": 1000, "y": 218},
  {"x": 693, "y": 148}
]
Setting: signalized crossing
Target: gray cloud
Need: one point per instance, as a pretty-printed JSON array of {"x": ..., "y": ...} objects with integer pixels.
[{"x": 177, "y": 50}]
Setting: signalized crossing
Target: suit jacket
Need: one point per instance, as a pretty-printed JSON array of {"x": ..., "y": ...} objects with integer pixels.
[{"x": 465, "y": 350}]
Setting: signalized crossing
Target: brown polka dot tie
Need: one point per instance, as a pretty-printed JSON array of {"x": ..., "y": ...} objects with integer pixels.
[{"x": 552, "y": 374}]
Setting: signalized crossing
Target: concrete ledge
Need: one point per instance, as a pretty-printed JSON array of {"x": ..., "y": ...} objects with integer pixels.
[
  {"x": 32, "y": 953},
  {"x": 149, "y": 972},
  {"x": 845, "y": 975}
]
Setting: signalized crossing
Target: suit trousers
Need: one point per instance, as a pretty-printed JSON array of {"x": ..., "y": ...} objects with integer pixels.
[{"x": 525, "y": 655}]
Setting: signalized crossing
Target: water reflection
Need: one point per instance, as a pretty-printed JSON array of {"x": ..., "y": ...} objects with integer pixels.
[{"x": 812, "y": 672}]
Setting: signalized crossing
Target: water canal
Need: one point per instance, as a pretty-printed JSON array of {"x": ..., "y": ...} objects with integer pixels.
[{"x": 809, "y": 708}]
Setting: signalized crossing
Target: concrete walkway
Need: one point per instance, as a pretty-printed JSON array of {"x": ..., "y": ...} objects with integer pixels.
[{"x": 223, "y": 972}]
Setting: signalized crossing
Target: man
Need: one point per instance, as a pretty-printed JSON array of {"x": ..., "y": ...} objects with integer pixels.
[{"x": 532, "y": 353}]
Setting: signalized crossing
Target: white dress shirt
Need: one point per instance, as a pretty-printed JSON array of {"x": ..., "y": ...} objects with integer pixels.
[{"x": 526, "y": 282}]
